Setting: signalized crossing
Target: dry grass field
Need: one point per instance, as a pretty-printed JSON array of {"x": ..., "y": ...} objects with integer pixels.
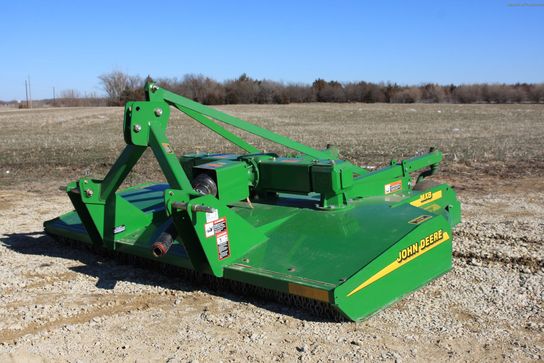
[
  {"x": 46, "y": 145},
  {"x": 59, "y": 304}
]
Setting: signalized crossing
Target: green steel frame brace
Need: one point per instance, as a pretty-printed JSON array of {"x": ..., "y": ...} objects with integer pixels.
[
  {"x": 192, "y": 109},
  {"x": 145, "y": 124}
]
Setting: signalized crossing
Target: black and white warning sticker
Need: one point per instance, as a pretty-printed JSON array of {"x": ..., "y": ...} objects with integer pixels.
[
  {"x": 223, "y": 246},
  {"x": 220, "y": 225},
  {"x": 209, "y": 226},
  {"x": 208, "y": 229},
  {"x": 210, "y": 217},
  {"x": 222, "y": 238}
]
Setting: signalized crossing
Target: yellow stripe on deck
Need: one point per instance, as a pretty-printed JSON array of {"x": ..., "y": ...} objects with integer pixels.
[{"x": 396, "y": 264}]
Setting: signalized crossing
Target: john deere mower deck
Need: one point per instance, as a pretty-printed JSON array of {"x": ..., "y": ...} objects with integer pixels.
[{"x": 309, "y": 226}]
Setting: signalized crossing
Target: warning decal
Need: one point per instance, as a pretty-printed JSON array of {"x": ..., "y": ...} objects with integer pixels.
[
  {"x": 222, "y": 238},
  {"x": 220, "y": 225},
  {"x": 393, "y": 187},
  {"x": 208, "y": 229},
  {"x": 210, "y": 217}
]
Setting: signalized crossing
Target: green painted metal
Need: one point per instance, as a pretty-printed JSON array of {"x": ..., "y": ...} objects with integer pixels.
[
  {"x": 309, "y": 225},
  {"x": 231, "y": 178},
  {"x": 238, "y": 141},
  {"x": 184, "y": 104}
]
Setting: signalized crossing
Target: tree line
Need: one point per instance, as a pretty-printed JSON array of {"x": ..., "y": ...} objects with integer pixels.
[{"x": 121, "y": 87}]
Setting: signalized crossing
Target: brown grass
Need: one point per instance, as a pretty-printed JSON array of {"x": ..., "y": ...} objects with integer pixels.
[{"x": 59, "y": 145}]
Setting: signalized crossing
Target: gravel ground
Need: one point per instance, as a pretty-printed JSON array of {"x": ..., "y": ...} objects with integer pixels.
[{"x": 63, "y": 304}]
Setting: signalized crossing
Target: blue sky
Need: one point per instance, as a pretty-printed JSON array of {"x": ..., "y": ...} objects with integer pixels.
[{"x": 67, "y": 44}]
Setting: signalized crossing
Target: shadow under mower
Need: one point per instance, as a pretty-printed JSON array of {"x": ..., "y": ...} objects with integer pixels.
[{"x": 311, "y": 228}]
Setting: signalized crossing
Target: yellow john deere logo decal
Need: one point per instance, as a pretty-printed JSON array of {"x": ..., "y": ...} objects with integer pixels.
[
  {"x": 427, "y": 198},
  {"x": 406, "y": 255}
]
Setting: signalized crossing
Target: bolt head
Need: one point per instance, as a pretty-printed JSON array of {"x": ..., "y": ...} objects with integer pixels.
[
  {"x": 158, "y": 112},
  {"x": 154, "y": 88},
  {"x": 89, "y": 193},
  {"x": 137, "y": 128}
]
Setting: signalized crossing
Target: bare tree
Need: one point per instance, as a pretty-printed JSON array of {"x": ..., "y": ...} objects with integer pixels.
[
  {"x": 70, "y": 93},
  {"x": 241, "y": 90},
  {"x": 470, "y": 93},
  {"x": 332, "y": 91},
  {"x": 70, "y": 98},
  {"x": 299, "y": 93},
  {"x": 193, "y": 86},
  {"x": 536, "y": 93},
  {"x": 432, "y": 93},
  {"x": 407, "y": 95},
  {"x": 121, "y": 87}
]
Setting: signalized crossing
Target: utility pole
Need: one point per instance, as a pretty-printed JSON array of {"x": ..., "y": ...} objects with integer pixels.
[
  {"x": 26, "y": 93},
  {"x": 53, "y": 95},
  {"x": 29, "y": 93}
]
